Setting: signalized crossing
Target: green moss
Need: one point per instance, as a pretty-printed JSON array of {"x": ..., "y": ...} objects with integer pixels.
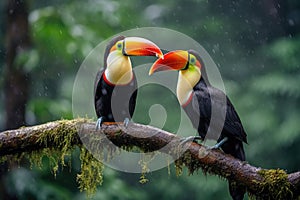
[
  {"x": 144, "y": 166},
  {"x": 3, "y": 159},
  {"x": 275, "y": 182},
  {"x": 63, "y": 137},
  {"x": 12, "y": 160},
  {"x": 178, "y": 167},
  {"x": 144, "y": 162},
  {"x": 131, "y": 149},
  {"x": 187, "y": 160},
  {"x": 35, "y": 158},
  {"x": 118, "y": 133},
  {"x": 91, "y": 174},
  {"x": 143, "y": 178}
]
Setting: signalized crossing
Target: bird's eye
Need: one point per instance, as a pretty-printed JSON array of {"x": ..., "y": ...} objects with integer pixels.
[
  {"x": 193, "y": 60},
  {"x": 119, "y": 45}
]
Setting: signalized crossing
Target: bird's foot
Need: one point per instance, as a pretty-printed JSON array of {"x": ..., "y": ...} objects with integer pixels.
[
  {"x": 219, "y": 144},
  {"x": 190, "y": 139},
  {"x": 126, "y": 122},
  {"x": 99, "y": 123}
]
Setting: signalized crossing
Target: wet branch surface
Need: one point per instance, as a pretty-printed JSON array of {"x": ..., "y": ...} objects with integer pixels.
[{"x": 261, "y": 183}]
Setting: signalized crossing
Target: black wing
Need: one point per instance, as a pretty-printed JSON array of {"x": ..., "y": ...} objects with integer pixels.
[{"x": 210, "y": 100}]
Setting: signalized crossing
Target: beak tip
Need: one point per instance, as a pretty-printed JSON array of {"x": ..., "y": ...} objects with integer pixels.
[
  {"x": 150, "y": 72},
  {"x": 160, "y": 55}
]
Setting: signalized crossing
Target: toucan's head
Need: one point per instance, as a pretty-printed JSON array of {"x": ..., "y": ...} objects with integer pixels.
[
  {"x": 189, "y": 66},
  {"x": 186, "y": 62},
  {"x": 118, "y": 64}
]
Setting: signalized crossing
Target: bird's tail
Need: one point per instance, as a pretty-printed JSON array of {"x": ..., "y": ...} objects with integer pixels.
[
  {"x": 236, "y": 149},
  {"x": 237, "y": 191},
  {"x": 239, "y": 152}
]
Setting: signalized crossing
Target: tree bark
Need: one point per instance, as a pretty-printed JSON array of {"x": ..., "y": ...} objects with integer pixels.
[{"x": 270, "y": 184}]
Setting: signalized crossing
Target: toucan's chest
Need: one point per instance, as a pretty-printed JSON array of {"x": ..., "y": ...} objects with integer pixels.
[
  {"x": 198, "y": 110},
  {"x": 115, "y": 101}
]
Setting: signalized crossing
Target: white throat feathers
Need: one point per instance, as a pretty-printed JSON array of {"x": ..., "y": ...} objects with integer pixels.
[
  {"x": 119, "y": 69},
  {"x": 187, "y": 79}
]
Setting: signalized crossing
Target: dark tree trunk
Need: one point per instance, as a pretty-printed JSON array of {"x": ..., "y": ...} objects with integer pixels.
[
  {"x": 16, "y": 83},
  {"x": 16, "y": 78}
]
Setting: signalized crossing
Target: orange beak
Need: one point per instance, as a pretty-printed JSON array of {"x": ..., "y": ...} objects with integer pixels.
[
  {"x": 174, "y": 60},
  {"x": 137, "y": 46}
]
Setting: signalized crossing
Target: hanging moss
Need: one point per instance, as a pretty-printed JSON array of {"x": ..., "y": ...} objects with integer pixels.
[
  {"x": 60, "y": 142},
  {"x": 91, "y": 174},
  {"x": 14, "y": 159},
  {"x": 146, "y": 158},
  {"x": 178, "y": 167},
  {"x": 275, "y": 181},
  {"x": 63, "y": 138},
  {"x": 143, "y": 178},
  {"x": 3, "y": 159}
]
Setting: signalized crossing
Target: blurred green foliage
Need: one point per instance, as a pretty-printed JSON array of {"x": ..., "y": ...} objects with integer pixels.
[{"x": 256, "y": 45}]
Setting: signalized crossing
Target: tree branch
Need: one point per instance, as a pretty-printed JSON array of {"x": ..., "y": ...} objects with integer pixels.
[{"x": 271, "y": 184}]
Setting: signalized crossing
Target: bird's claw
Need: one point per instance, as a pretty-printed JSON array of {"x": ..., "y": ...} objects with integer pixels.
[
  {"x": 190, "y": 139},
  {"x": 219, "y": 144},
  {"x": 126, "y": 122},
  {"x": 99, "y": 123}
]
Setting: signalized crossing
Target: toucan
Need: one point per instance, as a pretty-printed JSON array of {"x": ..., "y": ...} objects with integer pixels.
[
  {"x": 115, "y": 88},
  {"x": 197, "y": 97}
]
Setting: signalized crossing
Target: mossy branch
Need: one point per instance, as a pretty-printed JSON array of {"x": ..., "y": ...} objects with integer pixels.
[{"x": 261, "y": 183}]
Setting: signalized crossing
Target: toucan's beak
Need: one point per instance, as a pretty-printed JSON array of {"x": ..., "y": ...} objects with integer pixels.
[
  {"x": 137, "y": 46},
  {"x": 174, "y": 60}
]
